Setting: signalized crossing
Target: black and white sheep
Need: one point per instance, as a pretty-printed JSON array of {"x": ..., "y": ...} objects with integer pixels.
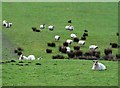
[
  {"x": 7, "y": 24},
  {"x": 98, "y": 66},
  {"x": 57, "y": 37},
  {"x": 93, "y": 47},
  {"x": 73, "y": 35},
  {"x": 42, "y": 26},
  {"x": 69, "y": 41},
  {"x": 81, "y": 42},
  {"x": 30, "y": 57},
  {"x": 69, "y": 27},
  {"x": 51, "y": 28}
]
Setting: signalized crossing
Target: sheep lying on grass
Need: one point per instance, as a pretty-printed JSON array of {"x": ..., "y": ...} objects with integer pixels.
[
  {"x": 30, "y": 57},
  {"x": 98, "y": 66}
]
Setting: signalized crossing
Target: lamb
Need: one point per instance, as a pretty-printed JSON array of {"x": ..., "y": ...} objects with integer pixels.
[
  {"x": 93, "y": 47},
  {"x": 57, "y": 37},
  {"x": 73, "y": 35},
  {"x": 51, "y": 27},
  {"x": 42, "y": 26},
  {"x": 98, "y": 66},
  {"x": 81, "y": 42},
  {"x": 69, "y": 41}
]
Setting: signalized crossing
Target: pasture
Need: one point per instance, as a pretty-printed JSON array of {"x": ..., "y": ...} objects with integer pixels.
[{"x": 100, "y": 19}]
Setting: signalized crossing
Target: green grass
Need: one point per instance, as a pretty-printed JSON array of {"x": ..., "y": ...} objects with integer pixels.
[
  {"x": 59, "y": 73},
  {"x": 100, "y": 19}
]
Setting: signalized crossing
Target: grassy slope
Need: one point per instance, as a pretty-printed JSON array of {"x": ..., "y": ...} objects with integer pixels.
[{"x": 99, "y": 18}]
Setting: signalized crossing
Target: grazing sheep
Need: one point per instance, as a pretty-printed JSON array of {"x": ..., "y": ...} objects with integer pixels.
[
  {"x": 37, "y": 30},
  {"x": 68, "y": 49},
  {"x": 58, "y": 57},
  {"x": 83, "y": 38},
  {"x": 34, "y": 28},
  {"x": 51, "y": 28},
  {"x": 78, "y": 53},
  {"x": 51, "y": 44},
  {"x": 76, "y": 39},
  {"x": 70, "y": 28},
  {"x": 93, "y": 47},
  {"x": 85, "y": 34},
  {"x": 85, "y": 30},
  {"x": 81, "y": 42},
  {"x": 114, "y": 45},
  {"x": 42, "y": 26},
  {"x": 65, "y": 44},
  {"x": 69, "y": 21},
  {"x": 71, "y": 54},
  {"x": 73, "y": 35},
  {"x": 62, "y": 49},
  {"x": 76, "y": 47},
  {"x": 98, "y": 66},
  {"x": 107, "y": 51},
  {"x": 57, "y": 37},
  {"x": 48, "y": 50},
  {"x": 69, "y": 41}
]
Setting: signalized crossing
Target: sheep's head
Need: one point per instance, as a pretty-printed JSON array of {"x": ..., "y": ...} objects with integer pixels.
[{"x": 95, "y": 62}]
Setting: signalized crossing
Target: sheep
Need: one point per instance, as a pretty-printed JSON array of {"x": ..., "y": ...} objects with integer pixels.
[
  {"x": 51, "y": 44},
  {"x": 34, "y": 28},
  {"x": 51, "y": 27},
  {"x": 37, "y": 30},
  {"x": 58, "y": 57},
  {"x": 69, "y": 21},
  {"x": 78, "y": 53},
  {"x": 85, "y": 30},
  {"x": 42, "y": 26},
  {"x": 62, "y": 49},
  {"x": 98, "y": 66},
  {"x": 57, "y": 37},
  {"x": 65, "y": 44},
  {"x": 83, "y": 38},
  {"x": 68, "y": 49},
  {"x": 85, "y": 34},
  {"x": 107, "y": 51},
  {"x": 108, "y": 57},
  {"x": 76, "y": 39},
  {"x": 76, "y": 47},
  {"x": 81, "y": 42},
  {"x": 114, "y": 45},
  {"x": 73, "y": 35},
  {"x": 30, "y": 57},
  {"x": 71, "y": 54},
  {"x": 69, "y": 41},
  {"x": 7, "y": 24},
  {"x": 48, "y": 50},
  {"x": 70, "y": 28},
  {"x": 93, "y": 47}
]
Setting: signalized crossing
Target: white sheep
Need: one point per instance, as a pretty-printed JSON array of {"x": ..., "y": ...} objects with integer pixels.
[
  {"x": 57, "y": 37},
  {"x": 98, "y": 66},
  {"x": 93, "y": 47},
  {"x": 42, "y": 26},
  {"x": 69, "y": 41},
  {"x": 68, "y": 49},
  {"x": 81, "y": 42},
  {"x": 69, "y": 27},
  {"x": 73, "y": 35},
  {"x": 30, "y": 57},
  {"x": 51, "y": 27},
  {"x": 7, "y": 24}
]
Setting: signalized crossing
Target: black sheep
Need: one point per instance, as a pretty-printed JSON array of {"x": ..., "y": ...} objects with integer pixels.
[
  {"x": 85, "y": 34},
  {"x": 71, "y": 54},
  {"x": 107, "y": 51},
  {"x": 65, "y": 44},
  {"x": 62, "y": 49},
  {"x": 78, "y": 53},
  {"x": 34, "y": 28},
  {"x": 51, "y": 44},
  {"x": 76, "y": 39},
  {"x": 76, "y": 47},
  {"x": 48, "y": 50},
  {"x": 114, "y": 45},
  {"x": 83, "y": 38}
]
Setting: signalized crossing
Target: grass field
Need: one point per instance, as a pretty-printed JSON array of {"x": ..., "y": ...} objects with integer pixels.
[{"x": 100, "y": 19}]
